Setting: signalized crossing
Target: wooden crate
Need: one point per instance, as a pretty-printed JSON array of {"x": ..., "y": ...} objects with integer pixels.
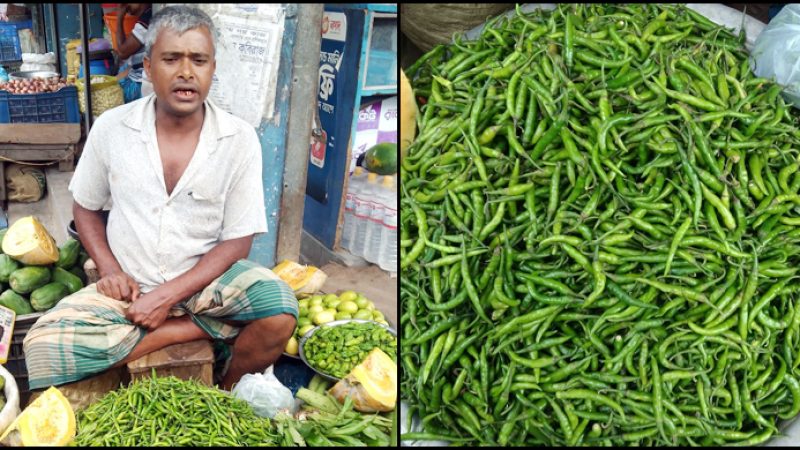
[{"x": 190, "y": 360}]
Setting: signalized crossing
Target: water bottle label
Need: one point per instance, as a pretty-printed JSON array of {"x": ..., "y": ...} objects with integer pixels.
[
  {"x": 348, "y": 202},
  {"x": 390, "y": 218},
  {"x": 362, "y": 208},
  {"x": 377, "y": 212}
]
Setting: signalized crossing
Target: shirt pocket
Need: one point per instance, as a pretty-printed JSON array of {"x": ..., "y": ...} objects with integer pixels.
[{"x": 206, "y": 211}]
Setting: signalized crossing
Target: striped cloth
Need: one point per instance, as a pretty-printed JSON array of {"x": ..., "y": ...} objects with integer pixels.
[{"x": 87, "y": 332}]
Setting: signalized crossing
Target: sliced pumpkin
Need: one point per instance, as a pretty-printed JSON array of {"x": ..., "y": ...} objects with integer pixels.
[
  {"x": 372, "y": 385},
  {"x": 302, "y": 279},
  {"x": 47, "y": 422},
  {"x": 29, "y": 242}
]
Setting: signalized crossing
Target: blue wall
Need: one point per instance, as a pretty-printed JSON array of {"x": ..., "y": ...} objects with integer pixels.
[{"x": 68, "y": 18}]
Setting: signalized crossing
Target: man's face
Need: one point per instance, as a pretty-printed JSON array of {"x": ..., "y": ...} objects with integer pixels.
[{"x": 181, "y": 68}]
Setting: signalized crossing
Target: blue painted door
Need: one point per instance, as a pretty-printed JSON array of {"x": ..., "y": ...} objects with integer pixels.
[{"x": 329, "y": 158}]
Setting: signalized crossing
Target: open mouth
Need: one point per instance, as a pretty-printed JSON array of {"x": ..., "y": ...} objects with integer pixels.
[{"x": 186, "y": 94}]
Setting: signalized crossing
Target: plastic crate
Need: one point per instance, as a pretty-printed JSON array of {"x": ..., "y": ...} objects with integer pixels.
[
  {"x": 16, "y": 357},
  {"x": 49, "y": 107},
  {"x": 10, "y": 49}
]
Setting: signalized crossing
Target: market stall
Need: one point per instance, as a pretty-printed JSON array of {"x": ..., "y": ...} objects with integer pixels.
[
  {"x": 342, "y": 392},
  {"x": 598, "y": 234}
]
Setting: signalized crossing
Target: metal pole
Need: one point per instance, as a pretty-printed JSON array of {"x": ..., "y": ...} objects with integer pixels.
[
  {"x": 87, "y": 94},
  {"x": 302, "y": 105},
  {"x": 53, "y": 33}
]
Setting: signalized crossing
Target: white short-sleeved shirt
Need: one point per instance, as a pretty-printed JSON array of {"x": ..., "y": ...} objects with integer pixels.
[{"x": 157, "y": 237}]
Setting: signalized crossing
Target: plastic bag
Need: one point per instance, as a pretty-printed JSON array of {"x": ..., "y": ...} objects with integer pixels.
[
  {"x": 265, "y": 393},
  {"x": 32, "y": 62},
  {"x": 776, "y": 53},
  {"x": 10, "y": 410}
]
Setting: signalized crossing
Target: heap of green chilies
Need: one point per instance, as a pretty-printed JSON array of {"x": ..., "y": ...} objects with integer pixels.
[
  {"x": 167, "y": 411},
  {"x": 599, "y": 235}
]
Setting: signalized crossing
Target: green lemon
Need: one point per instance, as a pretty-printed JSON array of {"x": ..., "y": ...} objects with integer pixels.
[
  {"x": 303, "y": 303},
  {"x": 370, "y": 305},
  {"x": 383, "y": 322},
  {"x": 305, "y": 329},
  {"x": 342, "y": 315},
  {"x": 333, "y": 303},
  {"x": 363, "y": 314},
  {"x": 303, "y": 321},
  {"x": 323, "y": 317},
  {"x": 348, "y": 296},
  {"x": 377, "y": 315},
  {"x": 303, "y": 311},
  {"x": 362, "y": 301},
  {"x": 315, "y": 300},
  {"x": 315, "y": 309},
  {"x": 348, "y": 307},
  {"x": 331, "y": 310},
  {"x": 330, "y": 297},
  {"x": 291, "y": 346}
]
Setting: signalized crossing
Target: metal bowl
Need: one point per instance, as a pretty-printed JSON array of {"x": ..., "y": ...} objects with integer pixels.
[
  {"x": 32, "y": 75},
  {"x": 334, "y": 323}
]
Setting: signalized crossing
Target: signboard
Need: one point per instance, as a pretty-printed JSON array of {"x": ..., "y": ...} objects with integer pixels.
[
  {"x": 377, "y": 122},
  {"x": 248, "y": 56},
  {"x": 331, "y": 55}
]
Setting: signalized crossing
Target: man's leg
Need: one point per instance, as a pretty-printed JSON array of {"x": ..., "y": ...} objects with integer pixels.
[
  {"x": 176, "y": 330},
  {"x": 259, "y": 345}
]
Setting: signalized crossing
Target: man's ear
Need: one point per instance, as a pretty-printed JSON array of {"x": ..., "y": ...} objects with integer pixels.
[{"x": 146, "y": 64}]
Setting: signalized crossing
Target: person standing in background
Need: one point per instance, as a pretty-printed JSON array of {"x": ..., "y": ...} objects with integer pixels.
[{"x": 131, "y": 48}]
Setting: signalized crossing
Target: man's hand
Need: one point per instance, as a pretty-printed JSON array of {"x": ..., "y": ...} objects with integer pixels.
[
  {"x": 122, "y": 9},
  {"x": 119, "y": 286},
  {"x": 150, "y": 310}
]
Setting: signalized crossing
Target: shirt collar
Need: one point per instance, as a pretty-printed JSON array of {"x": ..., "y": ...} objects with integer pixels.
[{"x": 215, "y": 123}]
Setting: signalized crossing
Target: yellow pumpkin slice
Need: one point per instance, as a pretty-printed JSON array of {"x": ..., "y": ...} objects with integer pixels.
[
  {"x": 372, "y": 384},
  {"x": 48, "y": 422},
  {"x": 28, "y": 242}
]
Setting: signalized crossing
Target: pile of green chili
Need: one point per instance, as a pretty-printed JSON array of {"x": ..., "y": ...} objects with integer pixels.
[
  {"x": 599, "y": 235},
  {"x": 167, "y": 411}
]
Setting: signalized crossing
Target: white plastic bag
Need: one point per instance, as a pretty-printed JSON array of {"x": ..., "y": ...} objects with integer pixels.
[
  {"x": 32, "y": 62},
  {"x": 776, "y": 53},
  {"x": 265, "y": 393},
  {"x": 11, "y": 409}
]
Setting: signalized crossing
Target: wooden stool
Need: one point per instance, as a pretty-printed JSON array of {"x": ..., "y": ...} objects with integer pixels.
[{"x": 193, "y": 359}]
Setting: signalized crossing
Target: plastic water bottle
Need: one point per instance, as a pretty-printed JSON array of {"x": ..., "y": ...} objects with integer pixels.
[
  {"x": 356, "y": 182},
  {"x": 363, "y": 208},
  {"x": 387, "y": 257},
  {"x": 375, "y": 226}
]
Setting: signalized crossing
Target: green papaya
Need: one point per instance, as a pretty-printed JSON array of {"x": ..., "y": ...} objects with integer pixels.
[
  {"x": 78, "y": 272},
  {"x": 68, "y": 254},
  {"x": 26, "y": 279},
  {"x": 382, "y": 158},
  {"x": 18, "y": 303},
  {"x": 7, "y": 266},
  {"x": 68, "y": 279},
  {"x": 48, "y": 295}
]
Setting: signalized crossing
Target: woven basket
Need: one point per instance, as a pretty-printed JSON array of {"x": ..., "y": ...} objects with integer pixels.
[{"x": 430, "y": 24}]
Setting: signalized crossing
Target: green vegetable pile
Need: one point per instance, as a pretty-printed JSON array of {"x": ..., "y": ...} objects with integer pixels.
[
  {"x": 336, "y": 350},
  {"x": 167, "y": 411},
  {"x": 28, "y": 289},
  {"x": 599, "y": 239}
]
